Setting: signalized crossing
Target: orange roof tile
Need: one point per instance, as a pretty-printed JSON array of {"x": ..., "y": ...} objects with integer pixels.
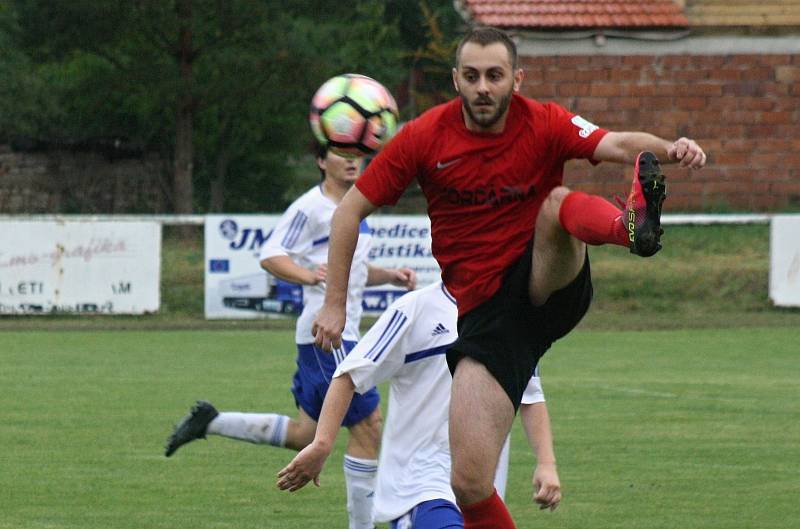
[{"x": 549, "y": 14}]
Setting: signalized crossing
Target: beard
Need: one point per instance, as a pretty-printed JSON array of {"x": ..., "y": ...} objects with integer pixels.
[{"x": 486, "y": 121}]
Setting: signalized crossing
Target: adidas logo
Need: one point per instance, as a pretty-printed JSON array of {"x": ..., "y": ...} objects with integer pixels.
[{"x": 440, "y": 329}]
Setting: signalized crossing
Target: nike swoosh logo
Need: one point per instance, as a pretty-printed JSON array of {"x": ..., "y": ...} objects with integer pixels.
[{"x": 442, "y": 165}]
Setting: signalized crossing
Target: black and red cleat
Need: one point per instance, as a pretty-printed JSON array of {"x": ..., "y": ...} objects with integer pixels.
[{"x": 643, "y": 207}]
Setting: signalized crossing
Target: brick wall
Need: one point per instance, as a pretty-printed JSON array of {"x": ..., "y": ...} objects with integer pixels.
[
  {"x": 56, "y": 181},
  {"x": 743, "y": 109}
]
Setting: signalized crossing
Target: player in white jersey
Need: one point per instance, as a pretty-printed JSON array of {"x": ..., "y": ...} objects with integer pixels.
[
  {"x": 406, "y": 346},
  {"x": 297, "y": 251}
]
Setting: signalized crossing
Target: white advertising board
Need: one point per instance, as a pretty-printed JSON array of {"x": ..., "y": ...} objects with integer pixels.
[
  {"x": 79, "y": 267},
  {"x": 236, "y": 286},
  {"x": 784, "y": 268}
]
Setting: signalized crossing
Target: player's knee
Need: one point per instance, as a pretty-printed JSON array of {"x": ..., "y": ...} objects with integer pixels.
[
  {"x": 470, "y": 487},
  {"x": 552, "y": 204},
  {"x": 366, "y": 435},
  {"x": 548, "y": 223},
  {"x": 299, "y": 434},
  {"x": 373, "y": 425}
]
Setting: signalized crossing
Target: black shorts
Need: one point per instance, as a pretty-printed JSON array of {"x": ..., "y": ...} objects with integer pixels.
[{"x": 509, "y": 335}]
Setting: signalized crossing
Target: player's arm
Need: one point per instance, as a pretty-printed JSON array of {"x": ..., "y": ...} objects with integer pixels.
[
  {"x": 399, "y": 277},
  {"x": 292, "y": 237},
  {"x": 623, "y": 147},
  {"x": 359, "y": 371},
  {"x": 283, "y": 267},
  {"x": 546, "y": 485},
  {"x": 307, "y": 465},
  {"x": 330, "y": 320},
  {"x": 536, "y": 422}
]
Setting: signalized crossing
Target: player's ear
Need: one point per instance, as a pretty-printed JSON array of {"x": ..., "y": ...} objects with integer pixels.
[
  {"x": 455, "y": 79},
  {"x": 519, "y": 75}
]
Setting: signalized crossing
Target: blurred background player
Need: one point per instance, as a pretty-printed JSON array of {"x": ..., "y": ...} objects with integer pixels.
[
  {"x": 510, "y": 239},
  {"x": 296, "y": 251},
  {"x": 407, "y": 346}
]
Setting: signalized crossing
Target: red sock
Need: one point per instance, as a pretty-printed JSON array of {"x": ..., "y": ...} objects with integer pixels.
[
  {"x": 490, "y": 513},
  {"x": 593, "y": 220}
]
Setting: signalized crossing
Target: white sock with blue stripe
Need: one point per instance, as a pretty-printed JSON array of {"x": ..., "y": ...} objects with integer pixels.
[
  {"x": 359, "y": 475},
  {"x": 258, "y": 428}
]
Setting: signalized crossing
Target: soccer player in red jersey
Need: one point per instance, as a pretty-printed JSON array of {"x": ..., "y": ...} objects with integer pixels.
[{"x": 509, "y": 237}]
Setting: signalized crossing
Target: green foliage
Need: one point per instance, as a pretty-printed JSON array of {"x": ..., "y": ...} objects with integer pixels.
[
  {"x": 430, "y": 30},
  {"x": 99, "y": 68}
]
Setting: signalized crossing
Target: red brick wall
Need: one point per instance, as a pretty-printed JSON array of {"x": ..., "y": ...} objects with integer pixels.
[{"x": 743, "y": 109}]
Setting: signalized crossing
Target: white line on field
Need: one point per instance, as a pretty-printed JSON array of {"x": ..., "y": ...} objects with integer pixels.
[{"x": 635, "y": 391}]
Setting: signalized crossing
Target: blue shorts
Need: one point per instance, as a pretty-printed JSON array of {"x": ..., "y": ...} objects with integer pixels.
[
  {"x": 315, "y": 369},
  {"x": 433, "y": 514}
]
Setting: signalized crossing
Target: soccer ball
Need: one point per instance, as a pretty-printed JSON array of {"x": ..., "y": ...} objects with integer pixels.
[{"x": 353, "y": 114}]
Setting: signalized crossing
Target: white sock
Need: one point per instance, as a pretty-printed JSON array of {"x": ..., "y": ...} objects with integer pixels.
[
  {"x": 501, "y": 474},
  {"x": 258, "y": 428},
  {"x": 359, "y": 475}
]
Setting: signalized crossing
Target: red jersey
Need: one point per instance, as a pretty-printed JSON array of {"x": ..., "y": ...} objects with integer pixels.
[{"x": 483, "y": 190}]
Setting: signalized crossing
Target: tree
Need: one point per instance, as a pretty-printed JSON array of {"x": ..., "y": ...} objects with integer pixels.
[
  {"x": 230, "y": 77},
  {"x": 430, "y": 31}
]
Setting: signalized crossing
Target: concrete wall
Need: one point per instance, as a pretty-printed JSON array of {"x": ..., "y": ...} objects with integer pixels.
[{"x": 64, "y": 181}]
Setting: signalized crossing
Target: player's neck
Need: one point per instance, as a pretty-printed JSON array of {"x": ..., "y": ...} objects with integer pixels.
[{"x": 334, "y": 190}]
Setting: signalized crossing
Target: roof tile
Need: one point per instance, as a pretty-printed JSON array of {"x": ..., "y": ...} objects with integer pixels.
[{"x": 544, "y": 14}]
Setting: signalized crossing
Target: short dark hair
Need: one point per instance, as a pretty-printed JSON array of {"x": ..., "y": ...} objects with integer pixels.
[
  {"x": 322, "y": 153},
  {"x": 488, "y": 35}
]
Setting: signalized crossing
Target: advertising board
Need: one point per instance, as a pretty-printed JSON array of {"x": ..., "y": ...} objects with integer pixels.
[
  {"x": 784, "y": 268},
  {"x": 81, "y": 267},
  {"x": 237, "y": 287}
]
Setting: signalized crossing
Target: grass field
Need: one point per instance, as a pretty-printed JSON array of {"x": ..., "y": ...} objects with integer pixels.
[{"x": 675, "y": 429}]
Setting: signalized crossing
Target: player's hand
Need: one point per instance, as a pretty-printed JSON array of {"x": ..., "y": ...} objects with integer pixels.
[
  {"x": 546, "y": 486},
  {"x": 404, "y": 277},
  {"x": 306, "y": 466},
  {"x": 688, "y": 153},
  {"x": 328, "y": 326},
  {"x": 320, "y": 274}
]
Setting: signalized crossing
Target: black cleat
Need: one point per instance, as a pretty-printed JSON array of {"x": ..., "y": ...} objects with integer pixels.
[
  {"x": 643, "y": 207},
  {"x": 191, "y": 427}
]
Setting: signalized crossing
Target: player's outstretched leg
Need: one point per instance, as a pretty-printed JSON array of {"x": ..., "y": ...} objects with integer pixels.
[
  {"x": 191, "y": 427},
  {"x": 643, "y": 207},
  {"x": 594, "y": 220}
]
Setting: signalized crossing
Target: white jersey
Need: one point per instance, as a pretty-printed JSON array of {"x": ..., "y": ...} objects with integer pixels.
[
  {"x": 302, "y": 234},
  {"x": 407, "y": 345}
]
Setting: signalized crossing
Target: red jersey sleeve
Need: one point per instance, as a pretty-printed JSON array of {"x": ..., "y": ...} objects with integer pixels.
[
  {"x": 391, "y": 171},
  {"x": 575, "y": 136}
]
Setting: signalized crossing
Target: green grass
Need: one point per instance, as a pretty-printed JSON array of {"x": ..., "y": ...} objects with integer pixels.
[
  {"x": 659, "y": 429},
  {"x": 704, "y": 276}
]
